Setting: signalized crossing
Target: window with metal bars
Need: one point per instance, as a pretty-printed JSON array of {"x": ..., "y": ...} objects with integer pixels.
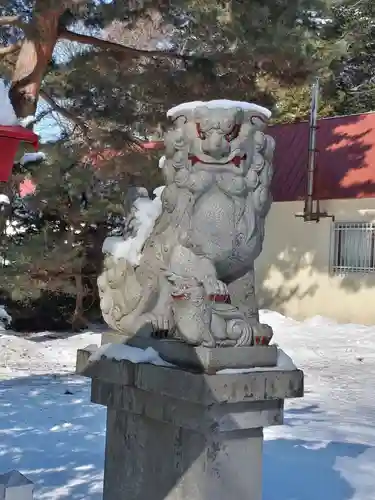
[{"x": 353, "y": 247}]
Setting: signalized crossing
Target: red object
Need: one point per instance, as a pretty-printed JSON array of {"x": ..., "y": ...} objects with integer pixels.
[
  {"x": 236, "y": 160},
  {"x": 10, "y": 137},
  {"x": 96, "y": 158},
  {"x": 345, "y": 158},
  {"x": 223, "y": 299},
  {"x": 262, "y": 340},
  {"x": 27, "y": 187},
  {"x": 156, "y": 145}
]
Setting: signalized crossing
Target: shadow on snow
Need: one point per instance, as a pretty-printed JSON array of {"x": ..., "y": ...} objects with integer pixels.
[
  {"x": 306, "y": 470},
  {"x": 51, "y": 433}
]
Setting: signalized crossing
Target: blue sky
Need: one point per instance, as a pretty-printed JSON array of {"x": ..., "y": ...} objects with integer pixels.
[{"x": 48, "y": 129}]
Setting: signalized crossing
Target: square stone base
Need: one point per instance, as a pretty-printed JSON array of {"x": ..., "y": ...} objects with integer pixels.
[
  {"x": 150, "y": 460},
  {"x": 177, "y": 435}
]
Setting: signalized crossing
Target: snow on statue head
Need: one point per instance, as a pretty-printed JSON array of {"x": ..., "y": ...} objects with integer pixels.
[{"x": 217, "y": 170}]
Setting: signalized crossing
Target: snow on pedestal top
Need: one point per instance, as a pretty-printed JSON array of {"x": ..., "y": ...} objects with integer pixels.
[
  {"x": 135, "y": 355},
  {"x": 219, "y": 103}
]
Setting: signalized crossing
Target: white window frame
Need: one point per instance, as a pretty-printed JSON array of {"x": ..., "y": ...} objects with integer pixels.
[{"x": 352, "y": 247}]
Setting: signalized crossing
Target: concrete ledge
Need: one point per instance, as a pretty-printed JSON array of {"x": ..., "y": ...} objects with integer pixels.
[
  {"x": 196, "y": 417},
  {"x": 258, "y": 385}
]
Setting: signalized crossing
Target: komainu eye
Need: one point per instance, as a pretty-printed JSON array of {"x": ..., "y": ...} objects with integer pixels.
[
  {"x": 233, "y": 134},
  {"x": 202, "y": 135}
]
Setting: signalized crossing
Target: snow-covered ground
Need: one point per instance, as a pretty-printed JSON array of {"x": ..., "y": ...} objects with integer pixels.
[
  {"x": 48, "y": 428},
  {"x": 326, "y": 449}
]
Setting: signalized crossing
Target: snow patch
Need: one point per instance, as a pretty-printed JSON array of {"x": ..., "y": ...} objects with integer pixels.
[
  {"x": 284, "y": 362},
  {"x": 219, "y": 103},
  {"x": 146, "y": 212},
  {"x": 7, "y": 115},
  {"x": 165, "y": 44},
  {"x": 330, "y": 431},
  {"x": 162, "y": 161},
  {"x": 24, "y": 122},
  {"x": 135, "y": 355},
  {"x": 4, "y": 199},
  {"x": 32, "y": 157},
  {"x": 41, "y": 353},
  {"x": 5, "y": 318}
]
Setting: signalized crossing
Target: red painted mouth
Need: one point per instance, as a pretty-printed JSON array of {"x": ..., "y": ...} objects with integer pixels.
[
  {"x": 236, "y": 160},
  {"x": 262, "y": 340}
]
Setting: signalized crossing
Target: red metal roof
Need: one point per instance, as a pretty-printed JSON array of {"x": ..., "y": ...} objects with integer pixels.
[{"x": 345, "y": 159}]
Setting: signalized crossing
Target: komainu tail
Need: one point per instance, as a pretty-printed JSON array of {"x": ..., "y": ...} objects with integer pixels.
[{"x": 119, "y": 290}]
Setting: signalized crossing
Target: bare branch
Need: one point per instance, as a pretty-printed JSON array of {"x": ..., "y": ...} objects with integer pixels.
[
  {"x": 64, "y": 112},
  {"x": 116, "y": 47},
  {"x": 10, "y": 21},
  {"x": 39, "y": 117},
  {"x": 79, "y": 122}
]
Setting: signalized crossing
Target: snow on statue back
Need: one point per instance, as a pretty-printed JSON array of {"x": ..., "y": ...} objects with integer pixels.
[
  {"x": 15, "y": 486},
  {"x": 7, "y": 115},
  {"x": 144, "y": 214},
  {"x": 217, "y": 170}
]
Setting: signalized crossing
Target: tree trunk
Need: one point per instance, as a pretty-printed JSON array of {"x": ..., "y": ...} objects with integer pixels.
[
  {"x": 5, "y": 214},
  {"x": 78, "y": 320},
  {"x": 41, "y": 36}
]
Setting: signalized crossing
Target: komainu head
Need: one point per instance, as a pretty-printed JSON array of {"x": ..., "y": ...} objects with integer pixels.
[{"x": 215, "y": 134}]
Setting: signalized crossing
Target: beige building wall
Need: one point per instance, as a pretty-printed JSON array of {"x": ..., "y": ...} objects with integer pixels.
[{"x": 293, "y": 272}]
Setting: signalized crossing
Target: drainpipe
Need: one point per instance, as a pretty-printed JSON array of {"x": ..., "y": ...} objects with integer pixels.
[{"x": 309, "y": 201}]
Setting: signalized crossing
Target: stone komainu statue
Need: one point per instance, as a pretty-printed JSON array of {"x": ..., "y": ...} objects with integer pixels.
[{"x": 217, "y": 170}]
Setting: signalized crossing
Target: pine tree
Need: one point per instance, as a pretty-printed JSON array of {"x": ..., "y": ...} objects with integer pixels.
[
  {"x": 205, "y": 46},
  {"x": 352, "y": 85},
  {"x": 54, "y": 238},
  {"x": 139, "y": 59}
]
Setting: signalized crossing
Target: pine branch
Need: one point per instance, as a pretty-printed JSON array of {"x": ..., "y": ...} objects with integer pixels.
[
  {"x": 39, "y": 117},
  {"x": 80, "y": 122}
]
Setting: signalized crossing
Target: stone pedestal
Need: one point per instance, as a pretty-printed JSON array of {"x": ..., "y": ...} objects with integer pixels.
[{"x": 177, "y": 435}]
